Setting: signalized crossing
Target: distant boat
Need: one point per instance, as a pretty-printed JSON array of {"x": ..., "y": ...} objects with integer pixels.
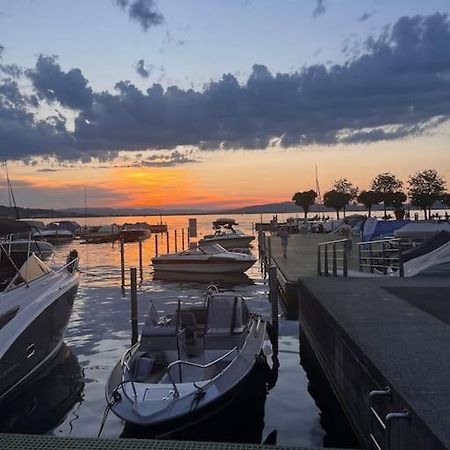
[
  {"x": 35, "y": 306},
  {"x": 226, "y": 235},
  {"x": 134, "y": 232},
  {"x": 188, "y": 363},
  {"x": 204, "y": 258},
  {"x": 101, "y": 235}
]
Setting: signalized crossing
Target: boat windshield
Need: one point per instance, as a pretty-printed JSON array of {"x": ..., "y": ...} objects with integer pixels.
[{"x": 211, "y": 249}]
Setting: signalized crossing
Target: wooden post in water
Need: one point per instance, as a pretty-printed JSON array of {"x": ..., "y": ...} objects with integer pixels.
[
  {"x": 134, "y": 313},
  {"x": 273, "y": 297},
  {"x": 182, "y": 239},
  {"x": 122, "y": 262},
  {"x": 167, "y": 242},
  {"x": 141, "y": 272},
  {"x": 156, "y": 245},
  {"x": 176, "y": 244}
]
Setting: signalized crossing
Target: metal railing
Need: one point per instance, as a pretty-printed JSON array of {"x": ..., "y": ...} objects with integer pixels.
[
  {"x": 383, "y": 256},
  {"x": 200, "y": 366},
  {"x": 338, "y": 253}
]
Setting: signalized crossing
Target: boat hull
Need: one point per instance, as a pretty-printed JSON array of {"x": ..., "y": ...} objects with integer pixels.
[
  {"x": 33, "y": 337},
  {"x": 135, "y": 235},
  {"x": 203, "y": 267}
]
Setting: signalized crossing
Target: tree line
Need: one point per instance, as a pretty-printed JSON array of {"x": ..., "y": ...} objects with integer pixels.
[{"x": 425, "y": 188}]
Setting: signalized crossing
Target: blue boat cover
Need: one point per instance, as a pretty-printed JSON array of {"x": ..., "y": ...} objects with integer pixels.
[
  {"x": 432, "y": 244},
  {"x": 382, "y": 228}
]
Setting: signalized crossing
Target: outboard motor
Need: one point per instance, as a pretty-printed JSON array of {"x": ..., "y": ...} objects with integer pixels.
[{"x": 72, "y": 261}]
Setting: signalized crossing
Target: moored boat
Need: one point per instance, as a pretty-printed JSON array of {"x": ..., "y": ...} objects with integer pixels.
[
  {"x": 35, "y": 306},
  {"x": 134, "y": 233},
  {"x": 204, "y": 258},
  {"x": 226, "y": 235},
  {"x": 187, "y": 362}
]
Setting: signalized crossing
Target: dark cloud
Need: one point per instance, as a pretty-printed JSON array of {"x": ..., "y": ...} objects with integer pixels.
[
  {"x": 366, "y": 16},
  {"x": 141, "y": 69},
  {"x": 398, "y": 86},
  {"x": 320, "y": 8},
  {"x": 145, "y": 12},
  {"x": 52, "y": 83}
]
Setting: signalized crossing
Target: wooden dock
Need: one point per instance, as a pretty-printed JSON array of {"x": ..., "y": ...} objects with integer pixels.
[{"x": 379, "y": 334}]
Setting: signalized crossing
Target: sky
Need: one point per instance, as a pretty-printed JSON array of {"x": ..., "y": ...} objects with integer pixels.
[{"x": 217, "y": 103}]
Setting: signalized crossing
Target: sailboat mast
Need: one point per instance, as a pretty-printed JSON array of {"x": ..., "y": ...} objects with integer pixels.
[
  {"x": 85, "y": 209},
  {"x": 319, "y": 195},
  {"x": 10, "y": 192}
]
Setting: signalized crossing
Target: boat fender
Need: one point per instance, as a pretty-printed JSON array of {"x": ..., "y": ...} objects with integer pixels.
[{"x": 72, "y": 261}]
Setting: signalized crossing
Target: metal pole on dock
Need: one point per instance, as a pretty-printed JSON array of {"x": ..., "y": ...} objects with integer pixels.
[
  {"x": 182, "y": 239},
  {"x": 122, "y": 261},
  {"x": 134, "y": 322},
  {"x": 273, "y": 297},
  {"x": 176, "y": 244},
  {"x": 326, "y": 260},
  {"x": 334, "y": 261},
  {"x": 141, "y": 273},
  {"x": 167, "y": 242},
  {"x": 188, "y": 238},
  {"x": 156, "y": 245}
]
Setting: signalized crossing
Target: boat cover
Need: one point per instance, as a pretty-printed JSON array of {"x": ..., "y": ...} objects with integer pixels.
[
  {"x": 421, "y": 229},
  {"x": 377, "y": 229},
  {"x": 434, "y": 252},
  {"x": 11, "y": 226}
]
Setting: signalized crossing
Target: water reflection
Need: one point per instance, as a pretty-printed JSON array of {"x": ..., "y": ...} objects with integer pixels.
[
  {"x": 338, "y": 432},
  {"x": 45, "y": 403}
]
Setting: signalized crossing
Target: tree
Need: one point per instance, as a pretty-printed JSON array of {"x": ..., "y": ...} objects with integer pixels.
[
  {"x": 305, "y": 199},
  {"x": 385, "y": 184},
  {"x": 369, "y": 199},
  {"x": 425, "y": 188},
  {"x": 336, "y": 200},
  {"x": 346, "y": 187}
]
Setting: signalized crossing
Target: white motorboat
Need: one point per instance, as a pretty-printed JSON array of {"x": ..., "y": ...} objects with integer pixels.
[
  {"x": 204, "y": 258},
  {"x": 187, "y": 363},
  {"x": 55, "y": 236},
  {"x": 226, "y": 235},
  {"x": 35, "y": 306},
  {"x": 21, "y": 247}
]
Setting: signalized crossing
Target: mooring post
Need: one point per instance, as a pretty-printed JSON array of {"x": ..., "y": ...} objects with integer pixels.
[
  {"x": 176, "y": 243},
  {"x": 167, "y": 242},
  {"x": 273, "y": 297},
  {"x": 269, "y": 250},
  {"x": 122, "y": 261},
  {"x": 182, "y": 239},
  {"x": 188, "y": 238},
  {"x": 134, "y": 322},
  {"x": 141, "y": 272},
  {"x": 156, "y": 245}
]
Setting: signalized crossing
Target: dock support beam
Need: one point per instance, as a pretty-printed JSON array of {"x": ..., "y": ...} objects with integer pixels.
[
  {"x": 141, "y": 270},
  {"x": 122, "y": 262},
  {"x": 273, "y": 297}
]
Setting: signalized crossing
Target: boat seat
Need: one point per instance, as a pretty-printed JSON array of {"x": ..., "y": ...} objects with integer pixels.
[{"x": 142, "y": 368}]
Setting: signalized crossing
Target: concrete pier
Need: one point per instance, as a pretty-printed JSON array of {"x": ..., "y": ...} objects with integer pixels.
[{"x": 389, "y": 336}]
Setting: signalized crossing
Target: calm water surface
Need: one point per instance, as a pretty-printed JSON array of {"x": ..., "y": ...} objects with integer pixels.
[{"x": 70, "y": 401}]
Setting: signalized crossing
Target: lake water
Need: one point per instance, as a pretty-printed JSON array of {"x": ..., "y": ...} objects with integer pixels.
[{"x": 68, "y": 400}]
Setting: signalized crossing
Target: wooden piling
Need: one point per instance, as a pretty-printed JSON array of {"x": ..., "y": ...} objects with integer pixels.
[
  {"x": 122, "y": 261},
  {"x": 167, "y": 242},
  {"x": 156, "y": 245},
  {"x": 182, "y": 239},
  {"x": 141, "y": 270},
  {"x": 176, "y": 243},
  {"x": 134, "y": 310}
]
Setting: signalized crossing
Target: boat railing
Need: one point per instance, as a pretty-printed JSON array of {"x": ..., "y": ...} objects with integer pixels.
[
  {"x": 381, "y": 255},
  {"x": 192, "y": 364},
  {"x": 339, "y": 257}
]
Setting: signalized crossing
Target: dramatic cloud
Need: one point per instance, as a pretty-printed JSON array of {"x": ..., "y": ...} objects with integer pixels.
[
  {"x": 320, "y": 8},
  {"x": 145, "y": 12},
  {"x": 366, "y": 16},
  {"x": 141, "y": 69},
  {"x": 68, "y": 88},
  {"x": 398, "y": 86}
]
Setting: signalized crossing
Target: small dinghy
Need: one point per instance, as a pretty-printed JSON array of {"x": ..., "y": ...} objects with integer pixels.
[{"x": 188, "y": 363}]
